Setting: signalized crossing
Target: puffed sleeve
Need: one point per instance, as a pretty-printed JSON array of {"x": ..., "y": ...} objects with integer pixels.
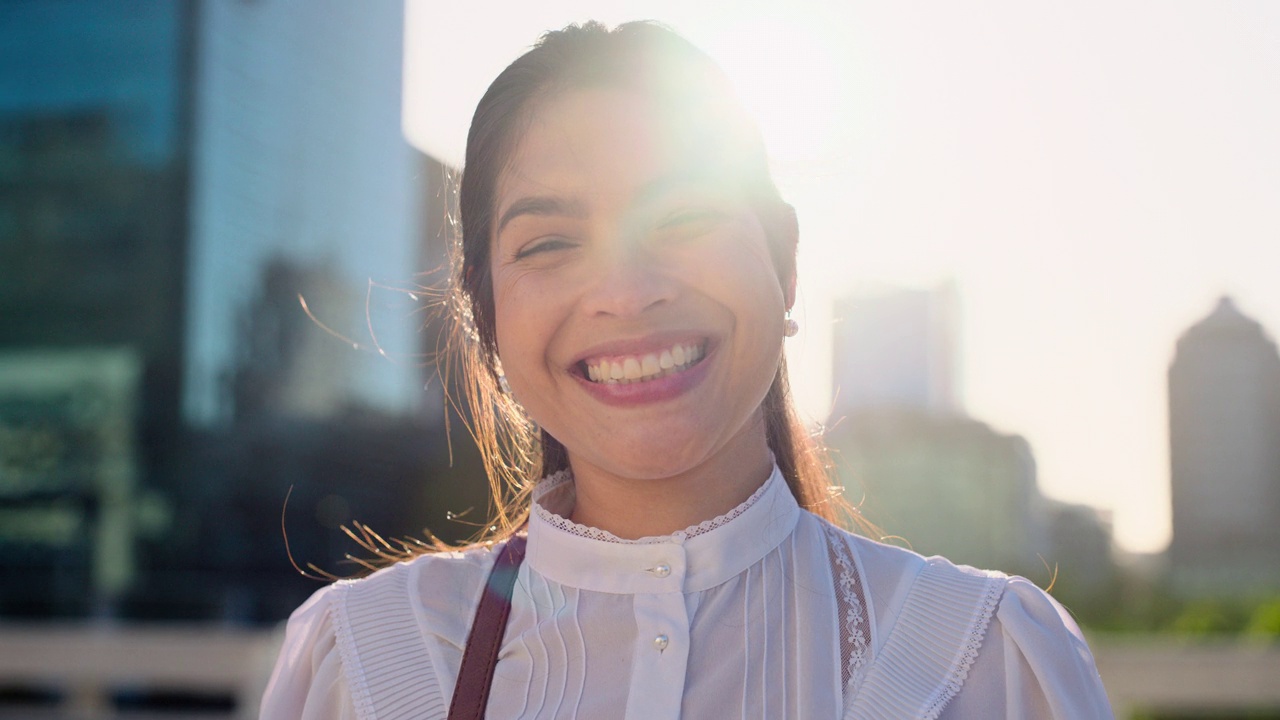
[
  {"x": 308, "y": 682},
  {"x": 1033, "y": 663}
]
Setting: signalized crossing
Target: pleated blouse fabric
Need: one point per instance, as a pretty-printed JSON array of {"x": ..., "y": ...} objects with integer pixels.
[{"x": 765, "y": 612}]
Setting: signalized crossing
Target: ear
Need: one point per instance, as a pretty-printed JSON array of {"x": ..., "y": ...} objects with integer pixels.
[{"x": 788, "y": 243}]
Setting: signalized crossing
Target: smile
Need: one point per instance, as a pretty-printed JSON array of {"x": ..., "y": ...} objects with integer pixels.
[{"x": 625, "y": 369}]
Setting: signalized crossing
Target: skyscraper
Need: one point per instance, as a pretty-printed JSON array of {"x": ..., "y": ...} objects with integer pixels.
[
  {"x": 947, "y": 485},
  {"x": 299, "y": 157},
  {"x": 174, "y": 176},
  {"x": 1224, "y": 432},
  {"x": 896, "y": 348},
  {"x": 925, "y": 472},
  {"x": 94, "y": 174}
]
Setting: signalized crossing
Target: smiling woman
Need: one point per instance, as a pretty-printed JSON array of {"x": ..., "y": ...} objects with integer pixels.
[
  {"x": 652, "y": 259},
  {"x": 625, "y": 270}
]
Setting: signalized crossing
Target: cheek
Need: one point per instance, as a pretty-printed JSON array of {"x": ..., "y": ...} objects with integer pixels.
[
  {"x": 512, "y": 329},
  {"x": 742, "y": 271},
  {"x": 524, "y": 324}
]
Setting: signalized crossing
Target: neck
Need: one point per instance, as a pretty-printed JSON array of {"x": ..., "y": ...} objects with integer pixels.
[{"x": 632, "y": 508}]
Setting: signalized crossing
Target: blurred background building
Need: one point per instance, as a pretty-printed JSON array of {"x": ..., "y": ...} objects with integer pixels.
[
  {"x": 213, "y": 246},
  {"x": 1224, "y": 433},
  {"x": 95, "y": 117},
  {"x": 898, "y": 347},
  {"x": 946, "y": 485},
  {"x": 924, "y": 471},
  {"x": 300, "y": 167}
]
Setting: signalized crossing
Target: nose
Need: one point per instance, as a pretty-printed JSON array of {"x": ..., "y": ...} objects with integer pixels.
[{"x": 627, "y": 282}]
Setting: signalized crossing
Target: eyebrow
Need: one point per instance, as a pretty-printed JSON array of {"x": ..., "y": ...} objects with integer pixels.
[
  {"x": 552, "y": 206},
  {"x": 543, "y": 205},
  {"x": 674, "y": 181}
]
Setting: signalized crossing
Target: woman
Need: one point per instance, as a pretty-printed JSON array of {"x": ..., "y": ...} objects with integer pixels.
[{"x": 627, "y": 268}]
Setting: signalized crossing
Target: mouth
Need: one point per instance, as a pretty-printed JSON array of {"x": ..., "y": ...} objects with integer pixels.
[{"x": 643, "y": 367}]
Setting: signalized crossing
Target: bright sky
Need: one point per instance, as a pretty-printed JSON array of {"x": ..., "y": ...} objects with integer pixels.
[{"x": 1093, "y": 175}]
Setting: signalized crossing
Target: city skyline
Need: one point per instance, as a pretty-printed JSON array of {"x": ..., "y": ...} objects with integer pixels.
[
  {"x": 1093, "y": 178},
  {"x": 1038, "y": 255}
]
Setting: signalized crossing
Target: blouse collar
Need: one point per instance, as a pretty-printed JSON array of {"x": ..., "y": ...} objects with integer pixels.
[{"x": 697, "y": 558}]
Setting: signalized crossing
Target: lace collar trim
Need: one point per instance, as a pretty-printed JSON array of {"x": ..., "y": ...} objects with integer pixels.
[
  {"x": 562, "y": 482},
  {"x": 696, "y": 558}
]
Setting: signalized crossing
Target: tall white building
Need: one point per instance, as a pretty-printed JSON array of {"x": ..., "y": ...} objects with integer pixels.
[
  {"x": 897, "y": 349},
  {"x": 1224, "y": 423},
  {"x": 923, "y": 471},
  {"x": 300, "y": 161}
]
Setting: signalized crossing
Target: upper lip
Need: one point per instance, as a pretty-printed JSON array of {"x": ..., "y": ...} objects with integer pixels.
[{"x": 654, "y": 343}]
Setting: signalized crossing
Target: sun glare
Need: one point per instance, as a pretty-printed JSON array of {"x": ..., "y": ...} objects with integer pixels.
[
  {"x": 1090, "y": 202},
  {"x": 787, "y": 76}
]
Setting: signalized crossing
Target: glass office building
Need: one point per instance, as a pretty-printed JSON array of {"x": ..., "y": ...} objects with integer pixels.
[
  {"x": 176, "y": 177},
  {"x": 94, "y": 118}
]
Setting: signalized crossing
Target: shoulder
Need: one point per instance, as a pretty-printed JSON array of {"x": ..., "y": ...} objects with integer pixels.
[
  {"x": 888, "y": 572},
  {"x": 891, "y": 573},
  {"x": 1036, "y": 629},
  {"x": 447, "y": 582},
  {"x": 897, "y": 576},
  {"x": 396, "y": 619},
  {"x": 1033, "y": 662},
  {"x": 987, "y": 640},
  {"x": 308, "y": 672},
  {"x": 432, "y": 596}
]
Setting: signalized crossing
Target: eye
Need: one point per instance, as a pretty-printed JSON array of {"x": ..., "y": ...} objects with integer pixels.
[
  {"x": 690, "y": 216},
  {"x": 691, "y": 222},
  {"x": 542, "y": 246}
]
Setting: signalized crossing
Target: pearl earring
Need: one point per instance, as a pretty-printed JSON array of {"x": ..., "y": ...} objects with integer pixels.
[
  {"x": 503, "y": 384},
  {"x": 790, "y": 327}
]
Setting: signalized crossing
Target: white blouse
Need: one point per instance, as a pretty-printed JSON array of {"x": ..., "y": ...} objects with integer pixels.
[{"x": 765, "y": 612}]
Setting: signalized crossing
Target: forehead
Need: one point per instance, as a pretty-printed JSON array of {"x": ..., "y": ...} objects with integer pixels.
[{"x": 598, "y": 141}]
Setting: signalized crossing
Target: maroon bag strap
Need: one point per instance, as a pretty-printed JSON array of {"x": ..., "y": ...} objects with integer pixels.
[{"x": 475, "y": 677}]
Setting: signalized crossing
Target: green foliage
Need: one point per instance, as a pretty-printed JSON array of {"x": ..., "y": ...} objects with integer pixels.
[
  {"x": 1264, "y": 624},
  {"x": 1205, "y": 617},
  {"x": 1136, "y": 606}
]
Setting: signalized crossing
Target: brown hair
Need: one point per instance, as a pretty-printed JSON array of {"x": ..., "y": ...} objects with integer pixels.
[{"x": 654, "y": 59}]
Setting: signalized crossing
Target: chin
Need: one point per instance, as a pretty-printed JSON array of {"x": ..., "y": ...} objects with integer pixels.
[{"x": 654, "y": 461}]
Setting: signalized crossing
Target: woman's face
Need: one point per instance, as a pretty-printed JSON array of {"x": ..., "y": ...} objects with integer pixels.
[{"x": 639, "y": 318}]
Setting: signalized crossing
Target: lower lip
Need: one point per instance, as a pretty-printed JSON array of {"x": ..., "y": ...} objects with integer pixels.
[{"x": 661, "y": 389}]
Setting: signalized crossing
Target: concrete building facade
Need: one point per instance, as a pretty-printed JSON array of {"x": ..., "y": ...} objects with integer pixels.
[{"x": 1224, "y": 432}]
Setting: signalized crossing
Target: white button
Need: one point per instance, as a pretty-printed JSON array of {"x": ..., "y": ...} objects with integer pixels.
[
  {"x": 661, "y": 570},
  {"x": 660, "y": 643}
]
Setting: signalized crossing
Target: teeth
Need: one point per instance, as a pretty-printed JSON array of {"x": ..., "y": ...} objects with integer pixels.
[{"x": 648, "y": 367}]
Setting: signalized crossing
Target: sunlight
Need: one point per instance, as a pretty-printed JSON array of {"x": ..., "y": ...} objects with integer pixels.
[
  {"x": 1090, "y": 203},
  {"x": 788, "y": 78},
  {"x": 783, "y": 64}
]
